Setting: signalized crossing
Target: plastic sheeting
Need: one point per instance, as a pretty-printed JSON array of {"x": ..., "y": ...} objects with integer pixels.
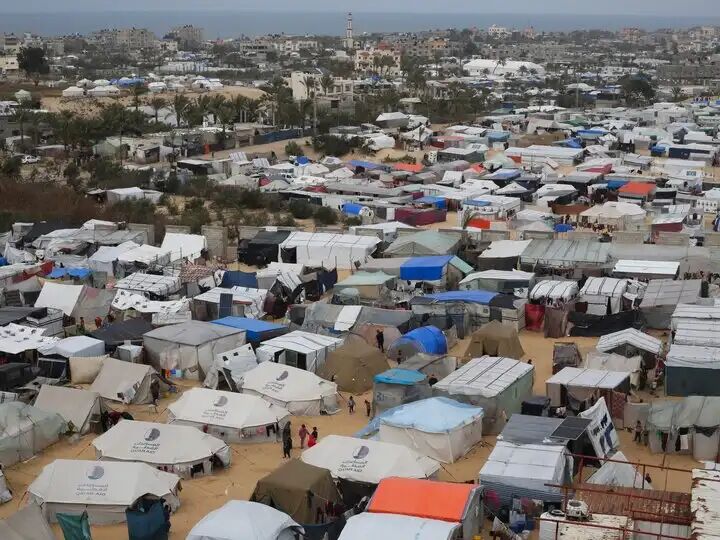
[
  {"x": 426, "y": 339},
  {"x": 424, "y": 268},
  {"x": 26, "y": 430}
]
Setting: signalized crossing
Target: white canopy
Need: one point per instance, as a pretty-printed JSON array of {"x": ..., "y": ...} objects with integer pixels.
[
  {"x": 613, "y": 212},
  {"x": 366, "y": 525},
  {"x": 244, "y": 520},
  {"x": 629, "y": 336},
  {"x": 253, "y": 300},
  {"x": 149, "y": 283},
  {"x": 487, "y": 376},
  {"x": 145, "y": 255},
  {"x": 158, "y": 444},
  {"x": 555, "y": 290},
  {"x": 330, "y": 250},
  {"x": 102, "y": 260},
  {"x": 104, "y": 488},
  {"x": 299, "y": 391},
  {"x": 184, "y": 246},
  {"x": 203, "y": 406},
  {"x": 619, "y": 472},
  {"x": 59, "y": 296},
  {"x": 368, "y": 461},
  {"x": 127, "y": 300}
]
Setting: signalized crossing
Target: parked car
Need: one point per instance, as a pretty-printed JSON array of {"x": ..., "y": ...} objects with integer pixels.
[{"x": 28, "y": 159}]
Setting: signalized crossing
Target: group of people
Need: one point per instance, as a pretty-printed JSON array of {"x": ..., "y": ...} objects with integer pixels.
[
  {"x": 99, "y": 323},
  {"x": 311, "y": 436}
]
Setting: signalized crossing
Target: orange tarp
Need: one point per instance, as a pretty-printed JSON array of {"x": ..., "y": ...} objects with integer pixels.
[
  {"x": 638, "y": 188},
  {"x": 421, "y": 498},
  {"x": 409, "y": 167}
]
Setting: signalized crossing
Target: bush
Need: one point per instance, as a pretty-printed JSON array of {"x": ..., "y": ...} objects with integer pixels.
[
  {"x": 286, "y": 220},
  {"x": 325, "y": 216},
  {"x": 351, "y": 221},
  {"x": 301, "y": 209},
  {"x": 335, "y": 146},
  {"x": 293, "y": 149},
  {"x": 195, "y": 215}
]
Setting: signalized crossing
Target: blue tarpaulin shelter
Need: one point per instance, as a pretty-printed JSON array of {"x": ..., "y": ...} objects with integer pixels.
[
  {"x": 235, "y": 278},
  {"x": 424, "y": 268},
  {"x": 616, "y": 184},
  {"x": 475, "y": 297},
  {"x": 254, "y": 329},
  {"x": 352, "y": 209},
  {"x": 367, "y": 165},
  {"x": 406, "y": 377},
  {"x": 427, "y": 339},
  {"x": 563, "y": 227},
  {"x": 3, "y": 261},
  {"x": 77, "y": 273},
  {"x": 438, "y": 202},
  {"x": 302, "y": 160},
  {"x": 149, "y": 523}
]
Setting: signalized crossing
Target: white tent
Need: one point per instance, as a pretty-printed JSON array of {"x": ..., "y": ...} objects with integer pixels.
[
  {"x": 179, "y": 449},
  {"x": 229, "y": 366},
  {"x": 126, "y": 300},
  {"x": 78, "y": 407},
  {"x": 440, "y": 428},
  {"x": 619, "y": 472},
  {"x": 296, "y": 390},
  {"x": 73, "y": 92},
  {"x": 60, "y": 296},
  {"x": 190, "y": 346},
  {"x": 124, "y": 381},
  {"x": 26, "y": 524},
  {"x": 103, "y": 489},
  {"x": 599, "y": 292},
  {"x": 15, "y": 339},
  {"x": 523, "y": 470},
  {"x": 582, "y": 384},
  {"x": 76, "y": 346},
  {"x": 103, "y": 260},
  {"x": 554, "y": 290},
  {"x": 629, "y": 337},
  {"x": 145, "y": 255},
  {"x": 244, "y": 520},
  {"x": 149, "y": 283},
  {"x": 251, "y": 300},
  {"x": 364, "y": 526},
  {"x": 368, "y": 461},
  {"x": 601, "y": 430},
  {"x": 614, "y": 213},
  {"x": 298, "y": 349},
  {"x": 230, "y": 416},
  {"x": 184, "y": 246},
  {"x": 329, "y": 250},
  {"x": 601, "y": 361},
  {"x": 26, "y": 430}
]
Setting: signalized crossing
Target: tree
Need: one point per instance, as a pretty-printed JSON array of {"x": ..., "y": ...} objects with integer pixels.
[
  {"x": 636, "y": 89},
  {"x": 326, "y": 83},
  {"x": 72, "y": 175},
  {"x": 10, "y": 168},
  {"x": 180, "y": 107},
  {"x": 157, "y": 103},
  {"x": 137, "y": 90},
  {"x": 325, "y": 216},
  {"x": 293, "y": 149},
  {"x": 678, "y": 94},
  {"x": 20, "y": 116},
  {"x": 33, "y": 62},
  {"x": 225, "y": 114}
]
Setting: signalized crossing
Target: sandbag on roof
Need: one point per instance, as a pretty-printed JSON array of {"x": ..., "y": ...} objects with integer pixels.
[{"x": 354, "y": 365}]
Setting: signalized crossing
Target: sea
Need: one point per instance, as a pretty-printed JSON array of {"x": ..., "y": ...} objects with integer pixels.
[{"x": 231, "y": 24}]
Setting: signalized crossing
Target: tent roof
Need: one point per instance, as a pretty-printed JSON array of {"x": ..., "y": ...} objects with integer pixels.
[
  {"x": 370, "y": 525},
  {"x": 360, "y": 279},
  {"x": 429, "y": 499},
  {"x": 297, "y": 384},
  {"x": 565, "y": 290},
  {"x": 433, "y": 415},
  {"x": 117, "y": 376},
  {"x": 530, "y": 461},
  {"x": 156, "y": 444},
  {"x": 253, "y": 327},
  {"x": 431, "y": 242},
  {"x": 497, "y": 339},
  {"x": 566, "y": 252},
  {"x": 243, "y": 520},
  {"x": 228, "y": 409},
  {"x": 670, "y": 292},
  {"x": 73, "y": 404},
  {"x": 184, "y": 245},
  {"x": 120, "y": 331},
  {"x": 72, "y": 481},
  {"x": 192, "y": 333},
  {"x": 487, "y": 376},
  {"x": 60, "y": 296},
  {"x": 27, "y": 523},
  {"x": 589, "y": 378},
  {"x": 629, "y": 336},
  {"x": 353, "y": 366},
  {"x": 15, "y": 339},
  {"x": 368, "y": 460}
]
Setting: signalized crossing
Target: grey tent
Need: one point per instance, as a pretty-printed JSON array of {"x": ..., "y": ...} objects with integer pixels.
[
  {"x": 26, "y": 524},
  {"x": 26, "y": 430}
]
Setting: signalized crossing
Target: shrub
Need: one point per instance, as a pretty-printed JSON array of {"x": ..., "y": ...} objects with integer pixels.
[
  {"x": 325, "y": 216},
  {"x": 352, "y": 221},
  {"x": 293, "y": 149},
  {"x": 301, "y": 209},
  {"x": 286, "y": 220}
]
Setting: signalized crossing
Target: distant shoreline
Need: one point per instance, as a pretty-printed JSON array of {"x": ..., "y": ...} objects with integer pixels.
[{"x": 233, "y": 23}]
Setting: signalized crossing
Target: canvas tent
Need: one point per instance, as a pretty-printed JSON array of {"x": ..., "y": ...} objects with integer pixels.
[
  {"x": 366, "y": 462},
  {"x": 454, "y": 503},
  {"x": 662, "y": 296},
  {"x": 76, "y": 346},
  {"x": 298, "y": 489},
  {"x": 190, "y": 346},
  {"x": 603, "y": 295},
  {"x": 422, "y": 244},
  {"x": 629, "y": 342},
  {"x": 498, "y": 385},
  {"x": 327, "y": 250},
  {"x": 426, "y": 339},
  {"x": 354, "y": 365},
  {"x": 365, "y": 525},
  {"x": 502, "y": 255},
  {"x": 124, "y": 381},
  {"x": 691, "y": 370},
  {"x": 601, "y": 430},
  {"x": 80, "y": 408},
  {"x": 551, "y": 291},
  {"x": 524, "y": 470},
  {"x": 76, "y": 300},
  {"x": 182, "y": 450},
  {"x": 691, "y": 425},
  {"x": 619, "y": 472},
  {"x": 505, "y": 281},
  {"x": 298, "y": 349},
  {"x": 244, "y": 520},
  {"x": 184, "y": 246},
  {"x": 575, "y": 386},
  {"x": 26, "y": 524},
  {"x": 119, "y": 332},
  {"x": 246, "y": 301},
  {"x": 294, "y": 389},
  {"x": 26, "y": 430},
  {"x": 103, "y": 489},
  {"x": 232, "y": 417},
  {"x": 439, "y": 427},
  {"x": 229, "y": 367},
  {"x": 495, "y": 339},
  {"x": 397, "y": 386}
]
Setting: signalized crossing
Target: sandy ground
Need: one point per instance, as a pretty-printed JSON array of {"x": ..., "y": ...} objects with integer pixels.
[{"x": 251, "y": 462}]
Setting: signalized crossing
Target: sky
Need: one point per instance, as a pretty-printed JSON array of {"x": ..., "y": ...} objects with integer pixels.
[{"x": 656, "y": 8}]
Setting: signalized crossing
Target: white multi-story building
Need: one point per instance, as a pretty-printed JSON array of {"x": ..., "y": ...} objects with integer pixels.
[
  {"x": 383, "y": 61},
  {"x": 302, "y": 82}
]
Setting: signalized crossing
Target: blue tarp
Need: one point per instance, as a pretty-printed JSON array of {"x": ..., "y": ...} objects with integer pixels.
[
  {"x": 78, "y": 273},
  {"x": 432, "y": 415},
  {"x": 405, "y": 377},
  {"x": 302, "y": 160},
  {"x": 3, "y": 261},
  {"x": 424, "y": 268},
  {"x": 498, "y": 136},
  {"x": 367, "y": 165},
  {"x": 475, "y": 297},
  {"x": 430, "y": 339},
  {"x": 253, "y": 327},
  {"x": 504, "y": 174},
  {"x": 147, "y": 524},
  {"x": 429, "y": 199},
  {"x": 616, "y": 184},
  {"x": 563, "y": 227},
  {"x": 235, "y": 278},
  {"x": 571, "y": 143},
  {"x": 352, "y": 209},
  {"x": 476, "y": 202}
]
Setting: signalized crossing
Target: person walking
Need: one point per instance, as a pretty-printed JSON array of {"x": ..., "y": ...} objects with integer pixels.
[
  {"x": 315, "y": 434},
  {"x": 155, "y": 391},
  {"x": 303, "y": 433},
  {"x": 81, "y": 326},
  {"x": 638, "y": 432},
  {"x": 380, "y": 338},
  {"x": 287, "y": 440},
  {"x": 368, "y": 408},
  {"x": 351, "y": 405}
]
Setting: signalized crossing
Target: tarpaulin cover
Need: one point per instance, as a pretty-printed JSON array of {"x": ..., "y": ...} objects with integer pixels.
[
  {"x": 119, "y": 332},
  {"x": 254, "y": 329},
  {"x": 596, "y": 325},
  {"x": 534, "y": 315},
  {"x": 150, "y": 524},
  {"x": 616, "y": 184},
  {"x": 476, "y": 297},
  {"x": 235, "y": 278},
  {"x": 424, "y": 268},
  {"x": 405, "y": 377},
  {"x": 430, "y": 339},
  {"x": 79, "y": 273},
  {"x": 563, "y": 227},
  {"x": 429, "y": 199},
  {"x": 74, "y": 527},
  {"x": 352, "y": 209},
  {"x": 3, "y": 261}
]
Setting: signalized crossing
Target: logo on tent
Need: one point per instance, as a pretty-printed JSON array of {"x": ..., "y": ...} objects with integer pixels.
[
  {"x": 96, "y": 472},
  {"x": 282, "y": 376},
  {"x": 220, "y": 402},
  {"x": 152, "y": 434},
  {"x": 361, "y": 452}
]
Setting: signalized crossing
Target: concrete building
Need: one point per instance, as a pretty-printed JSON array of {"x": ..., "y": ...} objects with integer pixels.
[
  {"x": 187, "y": 36},
  {"x": 484, "y": 66},
  {"x": 689, "y": 73},
  {"x": 383, "y": 60}
]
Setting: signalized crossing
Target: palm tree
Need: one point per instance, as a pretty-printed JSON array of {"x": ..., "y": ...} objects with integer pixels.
[
  {"x": 136, "y": 91},
  {"x": 677, "y": 93},
  {"x": 310, "y": 85},
  {"x": 225, "y": 114},
  {"x": 157, "y": 104},
  {"x": 180, "y": 106},
  {"x": 20, "y": 115},
  {"x": 63, "y": 124},
  {"x": 326, "y": 83}
]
